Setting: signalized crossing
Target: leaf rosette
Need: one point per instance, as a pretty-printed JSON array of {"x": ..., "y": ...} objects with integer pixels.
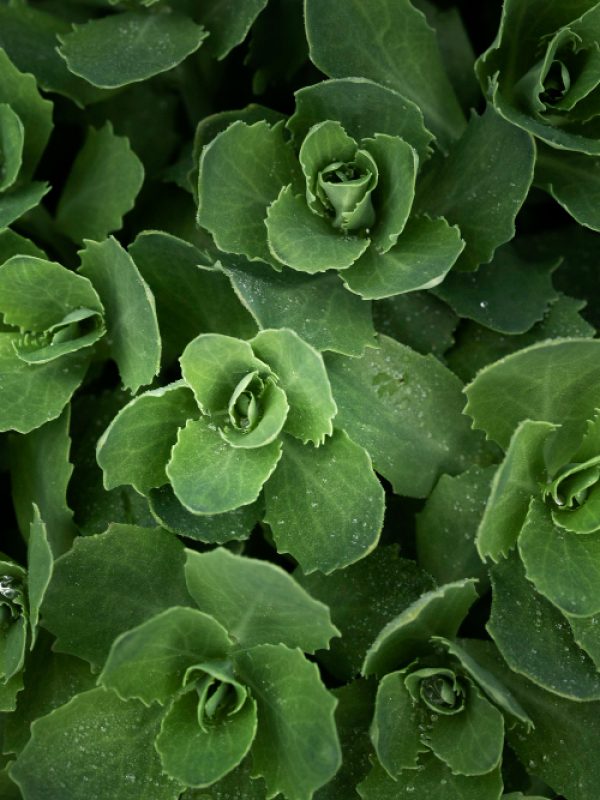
[
  {"x": 249, "y": 418},
  {"x": 545, "y": 502},
  {"x": 337, "y": 195},
  {"x": 434, "y": 700},
  {"x": 543, "y": 74}
]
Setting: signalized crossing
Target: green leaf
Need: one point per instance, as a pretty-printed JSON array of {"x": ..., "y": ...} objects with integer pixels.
[
  {"x": 32, "y": 394},
  {"x": 509, "y": 295},
  {"x": 305, "y": 241},
  {"x": 439, "y": 612},
  {"x": 364, "y": 108},
  {"x": 15, "y": 203},
  {"x": 395, "y": 582},
  {"x": 149, "y": 662},
  {"x": 563, "y": 566},
  {"x": 587, "y": 636},
  {"x": 360, "y": 38},
  {"x": 200, "y": 757},
  {"x": 237, "y": 783},
  {"x": 12, "y": 137},
  {"x": 113, "y": 736},
  {"x": 470, "y": 742},
  {"x": 34, "y": 485},
  {"x": 551, "y": 658},
  {"x": 9, "y": 692},
  {"x": 13, "y": 648},
  {"x": 395, "y": 728},
  {"x": 101, "y": 188},
  {"x": 107, "y": 584},
  {"x": 228, "y": 25},
  {"x": 131, "y": 327},
  {"x": 12, "y": 244},
  {"x": 39, "y": 569},
  {"x": 432, "y": 780},
  {"x": 189, "y": 299},
  {"x": 218, "y": 529},
  {"x": 209, "y": 476},
  {"x": 417, "y": 319},
  {"x": 405, "y": 410},
  {"x": 447, "y": 525},
  {"x": 516, "y": 480},
  {"x": 481, "y": 185},
  {"x": 130, "y": 46},
  {"x": 301, "y": 374},
  {"x": 553, "y": 381},
  {"x": 20, "y": 92},
  {"x": 317, "y": 307},
  {"x": 136, "y": 446},
  {"x": 296, "y": 749},
  {"x": 325, "y": 505},
  {"x": 425, "y": 252},
  {"x": 241, "y": 172},
  {"x": 570, "y": 178},
  {"x": 257, "y": 602}
]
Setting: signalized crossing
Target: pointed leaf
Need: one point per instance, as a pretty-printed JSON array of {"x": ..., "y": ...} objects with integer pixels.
[
  {"x": 257, "y": 602},
  {"x": 39, "y": 569},
  {"x": 16, "y": 203}
]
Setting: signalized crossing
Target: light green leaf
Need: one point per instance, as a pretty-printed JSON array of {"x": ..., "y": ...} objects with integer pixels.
[
  {"x": 395, "y": 731},
  {"x": 113, "y": 736},
  {"x": 447, "y": 525},
  {"x": 587, "y": 635},
  {"x": 12, "y": 137},
  {"x": 405, "y": 410},
  {"x": 396, "y": 582},
  {"x": 200, "y": 757},
  {"x": 325, "y": 505},
  {"x": 389, "y": 42},
  {"x": 364, "y": 108},
  {"x": 257, "y": 602},
  {"x": 20, "y": 92},
  {"x": 12, "y": 244},
  {"x": 217, "y": 529},
  {"x": 433, "y": 781},
  {"x": 425, "y": 252},
  {"x": 563, "y": 566},
  {"x": 481, "y": 185},
  {"x": 296, "y": 749},
  {"x": 509, "y": 295},
  {"x": 131, "y": 327},
  {"x": 107, "y": 584},
  {"x": 103, "y": 183},
  {"x": 32, "y": 394},
  {"x": 149, "y": 662},
  {"x": 305, "y": 241},
  {"x": 189, "y": 299},
  {"x": 130, "y": 46},
  {"x": 39, "y": 569},
  {"x": 14, "y": 204},
  {"x": 35, "y": 484},
  {"x": 317, "y": 307},
  {"x": 136, "y": 446},
  {"x": 553, "y": 381},
  {"x": 516, "y": 480},
  {"x": 241, "y": 172},
  {"x": 550, "y": 657},
  {"x": 439, "y": 612},
  {"x": 470, "y": 742},
  {"x": 209, "y": 476},
  {"x": 301, "y": 374},
  {"x": 228, "y": 25}
]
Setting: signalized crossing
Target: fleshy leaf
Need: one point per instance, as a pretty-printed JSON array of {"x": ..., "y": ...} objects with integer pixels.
[
  {"x": 131, "y": 326},
  {"x": 296, "y": 749},
  {"x": 15, "y": 203},
  {"x": 130, "y": 46},
  {"x": 149, "y": 662},
  {"x": 437, "y": 613},
  {"x": 301, "y": 374},
  {"x": 241, "y": 172},
  {"x": 12, "y": 138},
  {"x": 257, "y": 602},
  {"x": 520, "y": 614},
  {"x": 39, "y": 569},
  {"x": 101, "y": 188},
  {"x": 209, "y": 476},
  {"x": 571, "y": 179},
  {"x": 107, "y": 584},
  {"x": 417, "y": 319},
  {"x": 136, "y": 446},
  {"x": 116, "y": 737},
  {"x": 228, "y": 25},
  {"x": 425, "y": 252},
  {"x": 390, "y": 401},
  {"x": 395, "y": 731},
  {"x": 325, "y": 505}
]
